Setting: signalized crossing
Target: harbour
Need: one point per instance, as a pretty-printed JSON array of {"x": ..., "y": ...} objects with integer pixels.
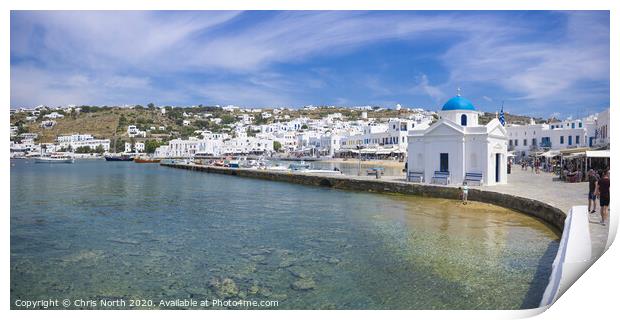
[{"x": 232, "y": 237}]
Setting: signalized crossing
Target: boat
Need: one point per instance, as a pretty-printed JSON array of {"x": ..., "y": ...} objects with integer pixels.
[
  {"x": 122, "y": 157},
  {"x": 299, "y": 166},
  {"x": 373, "y": 171},
  {"x": 233, "y": 164},
  {"x": 146, "y": 160},
  {"x": 321, "y": 171},
  {"x": 54, "y": 158},
  {"x": 278, "y": 168},
  {"x": 218, "y": 163}
]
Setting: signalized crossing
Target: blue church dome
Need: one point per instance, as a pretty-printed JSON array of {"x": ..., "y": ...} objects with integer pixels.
[{"x": 458, "y": 103}]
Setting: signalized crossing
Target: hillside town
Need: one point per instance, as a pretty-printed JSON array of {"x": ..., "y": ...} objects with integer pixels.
[{"x": 313, "y": 133}]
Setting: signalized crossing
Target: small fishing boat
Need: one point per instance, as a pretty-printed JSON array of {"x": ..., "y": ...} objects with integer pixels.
[
  {"x": 218, "y": 163},
  {"x": 54, "y": 158},
  {"x": 233, "y": 164},
  {"x": 278, "y": 168},
  {"x": 373, "y": 171},
  {"x": 321, "y": 171},
  {"x": 122, "y": 157},
  {"x": 299, "y": 166},
  {"x": 146, "y": 160}
]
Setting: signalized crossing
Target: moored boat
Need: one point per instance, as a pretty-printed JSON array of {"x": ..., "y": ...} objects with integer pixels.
[
  {"x": 146, "y": 160},
  {"x": 299, "y": 166},
  {"x": 278, "y": 168},
  {"x": 54, "y": 158},
  {"x": 373, "y": 171},
  {"x": 122, "y": 157},
  {"x": 321, "y": 171}
]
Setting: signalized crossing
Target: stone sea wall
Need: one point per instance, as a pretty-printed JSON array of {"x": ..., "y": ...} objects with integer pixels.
[{"x": 545, "y": 212}]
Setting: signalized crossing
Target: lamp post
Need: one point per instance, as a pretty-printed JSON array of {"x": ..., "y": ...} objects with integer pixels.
[{"x": 359, "y": 160}]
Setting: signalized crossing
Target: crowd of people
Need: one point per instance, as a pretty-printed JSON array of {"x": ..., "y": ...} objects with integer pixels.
[
  {"x": 598, "y": 183},
  {"x": 536, "y": 165}
]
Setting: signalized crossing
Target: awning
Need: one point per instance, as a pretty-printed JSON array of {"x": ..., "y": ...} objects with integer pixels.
[
  {"x": 369, "y": 150},
  {"x": 598, "y": 153},
  {"x": 550, "y": 154},
  {"x": 573, "y": 150},
  {"x": 575, "y": 155}
]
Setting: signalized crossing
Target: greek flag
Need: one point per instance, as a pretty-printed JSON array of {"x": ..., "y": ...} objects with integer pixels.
[{"x": 502, "y": 120}]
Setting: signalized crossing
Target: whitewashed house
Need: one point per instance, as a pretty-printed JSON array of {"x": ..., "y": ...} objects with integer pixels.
[
  {"x": 83, "y": 140},
  {"x": 133, "y": 131},
  {"x": 456, "y": 147}
]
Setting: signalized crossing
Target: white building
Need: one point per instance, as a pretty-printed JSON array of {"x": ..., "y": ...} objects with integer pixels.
[
  {"x": 591, "y": 131},
  {"x": 601, "y": 135},
  {"x": 48, "y": 124},
  {"x": 524, "y": 139},
  {"x": 457, "y": 145},
  {"x": 133, "y": 131},
  {"x": 383, "y": 138},
  {"x": 54, "y": 115},
  {"x": 82, "y": 140}
]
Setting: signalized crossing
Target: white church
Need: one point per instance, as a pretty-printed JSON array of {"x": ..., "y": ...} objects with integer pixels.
[{"x": 456, "y": 148}]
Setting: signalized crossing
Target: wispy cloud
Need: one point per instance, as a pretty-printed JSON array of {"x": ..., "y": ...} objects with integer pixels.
[
  {"x": 423, "y": 86},
  {"x": 263, "y": 58}
]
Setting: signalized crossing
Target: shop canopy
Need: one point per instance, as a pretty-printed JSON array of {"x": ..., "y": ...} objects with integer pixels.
[
  {"x": 575, "y": 155},
  {"x": 567, "y": 152},
  {"x": 598, "y": 153},
  {"x": 550, "y": 154}
]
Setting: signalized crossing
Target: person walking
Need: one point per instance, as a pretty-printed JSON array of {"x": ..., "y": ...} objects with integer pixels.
[
  {"x": 602, "y": 190},
  {"x": 592, "y": 181},
  {"x": 464, "y": 191}
]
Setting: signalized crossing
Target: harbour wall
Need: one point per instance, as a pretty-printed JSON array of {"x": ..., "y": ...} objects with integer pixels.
[{"x": 550, "y": 214}]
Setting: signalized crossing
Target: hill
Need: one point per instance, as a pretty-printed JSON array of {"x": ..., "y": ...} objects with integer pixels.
[{"x": 111, "y": 122}]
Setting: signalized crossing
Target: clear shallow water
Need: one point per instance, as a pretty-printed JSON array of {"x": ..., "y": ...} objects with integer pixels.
[{"x": 99, "y": 229}]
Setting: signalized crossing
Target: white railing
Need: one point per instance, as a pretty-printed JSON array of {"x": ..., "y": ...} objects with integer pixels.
[{"x": 574, "y": 255}]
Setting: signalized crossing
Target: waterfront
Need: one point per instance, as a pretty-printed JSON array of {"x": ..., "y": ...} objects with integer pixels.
[{"x": 97, "y": 229}]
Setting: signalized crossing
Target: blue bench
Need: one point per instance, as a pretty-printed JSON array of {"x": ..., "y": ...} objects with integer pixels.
[
  {"x": 415, "y": 176},
  {"x": 441, "y": 176},
  {"x": 473, "y": 177}
]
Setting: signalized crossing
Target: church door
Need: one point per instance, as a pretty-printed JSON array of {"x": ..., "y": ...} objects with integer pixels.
[
  {"x": 497, "y": 166},
  {"x": 443, "y": 162}
]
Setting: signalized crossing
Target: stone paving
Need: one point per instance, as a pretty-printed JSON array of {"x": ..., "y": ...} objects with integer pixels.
[{"x": 547, "y": 188}]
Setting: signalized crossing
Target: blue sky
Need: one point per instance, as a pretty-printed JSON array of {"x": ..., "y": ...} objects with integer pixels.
[{"x": 540, "y": 63}]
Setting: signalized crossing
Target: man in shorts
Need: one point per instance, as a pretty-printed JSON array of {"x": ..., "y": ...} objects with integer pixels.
[
  {"x": 592, "y": 180},
  {"x": 602, "y": 190}
]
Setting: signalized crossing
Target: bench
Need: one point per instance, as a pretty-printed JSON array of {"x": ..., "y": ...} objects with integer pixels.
[
  {"x": 473, "y": 177},
  {"x": 415, "y": 176},
  {"x": 441, "y": 175}
]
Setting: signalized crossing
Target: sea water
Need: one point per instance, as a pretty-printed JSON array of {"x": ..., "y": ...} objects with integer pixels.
[{"x": 120, "y": 231}]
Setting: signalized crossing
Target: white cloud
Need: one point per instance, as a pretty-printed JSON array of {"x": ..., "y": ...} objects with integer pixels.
[
  {"x": 423, "y": 86},
  {"x": 537, "y": 71},
  {"x": 109, "y": 56}
]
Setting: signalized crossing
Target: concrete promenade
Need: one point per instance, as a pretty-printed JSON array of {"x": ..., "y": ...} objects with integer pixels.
[{"x": 546, "y": 188}]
